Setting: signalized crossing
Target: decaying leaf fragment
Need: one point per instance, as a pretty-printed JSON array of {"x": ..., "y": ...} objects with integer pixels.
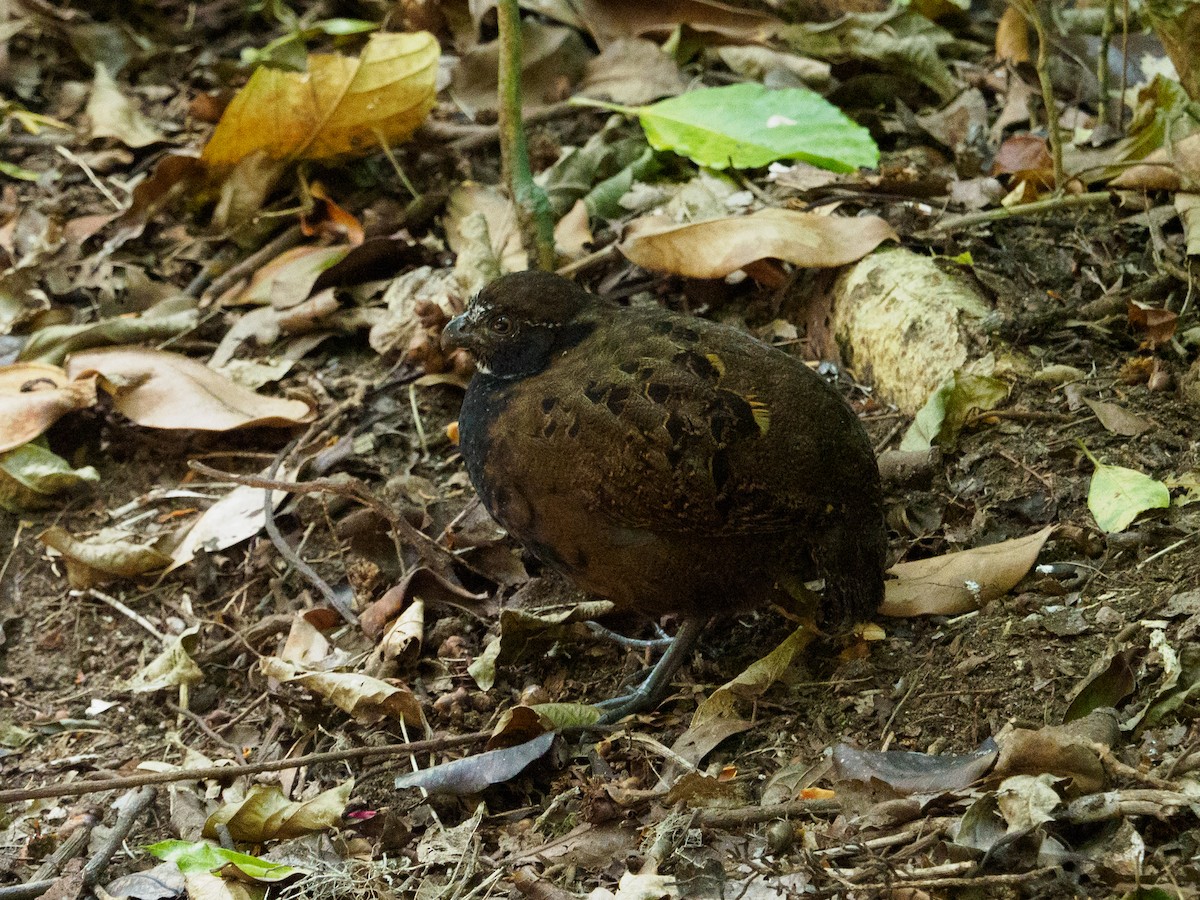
[
  {"x": 367, "y": 699},
  {"x": 33, "y": 396},
  {"x": 106, "y": 556},
  {"x": 267, "y": 815}
]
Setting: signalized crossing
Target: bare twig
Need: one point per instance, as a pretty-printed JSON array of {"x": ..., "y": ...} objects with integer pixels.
[
  {"x": 80, "y": 788},
  {"x": 134, "y": 804},
  {"x": 1111, "y": 805},
  {"x": 755, "y": 815},
  {"x": 916, "y": 878},
  {"x": 432, "y": 554},
  {"x": 124, "y": 610},
  {"x": 1050, "y": 204},
  {"x": 234, "y": 750},
  {"x": 291, "y": 555}
]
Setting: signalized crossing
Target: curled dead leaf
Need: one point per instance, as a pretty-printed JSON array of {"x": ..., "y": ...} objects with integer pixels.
[
  {"x": 265, "y": 814},
  {"x": 718, "y": 247},
  {"x": 33, "y": 396},
  {"x": 157, "y": 389},
  {"x": 103, "y": 558},
  {"x": 956, "y": 583}
]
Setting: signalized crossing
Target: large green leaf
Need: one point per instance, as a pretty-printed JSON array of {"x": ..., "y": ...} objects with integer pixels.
[{"x": 747, "y": 125}]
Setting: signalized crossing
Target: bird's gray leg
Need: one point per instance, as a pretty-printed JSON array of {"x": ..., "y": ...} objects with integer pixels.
[{"x": 650, "y": 692}]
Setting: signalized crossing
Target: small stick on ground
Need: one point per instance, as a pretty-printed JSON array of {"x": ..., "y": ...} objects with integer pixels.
[{"x": 80, "y": 788}]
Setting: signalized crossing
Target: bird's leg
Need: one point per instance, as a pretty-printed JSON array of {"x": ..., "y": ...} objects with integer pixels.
[
  {"x": 659, "y": 643},
  {"x": 650, "y": 692}
]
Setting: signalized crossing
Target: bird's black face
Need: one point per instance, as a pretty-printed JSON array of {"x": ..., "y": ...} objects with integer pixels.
[{"x": 516, "y": 325}]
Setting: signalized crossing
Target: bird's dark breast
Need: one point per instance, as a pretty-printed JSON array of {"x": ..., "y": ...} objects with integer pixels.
[{"x": 671, "y": 465}]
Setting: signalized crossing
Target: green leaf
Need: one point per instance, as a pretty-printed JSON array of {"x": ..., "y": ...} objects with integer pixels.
[
  {"x": 12, "y": 170},
  {"x": 948, "y": 408},
  {"x": 747, "y": 125},
  {"x": 1117, "y": 495},
  {"x": 200, "y": 856},
  {"x": 31, "y": 474}
]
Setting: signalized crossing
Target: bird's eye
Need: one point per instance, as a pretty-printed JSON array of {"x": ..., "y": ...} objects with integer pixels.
[{"x": 502, "y": 325}]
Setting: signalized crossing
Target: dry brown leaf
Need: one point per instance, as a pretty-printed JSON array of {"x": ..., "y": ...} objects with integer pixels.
[
  {"x": 960, "y": 582},
  {"x": 1012, "y": 37},
  {"x": 1156, "y": 323},
  {"x": 265, "y": 814},
  {"x": 33, "y": 396},
  {"x": 288, "y": 279},
  {"x": 717, "y": 247},
  {"x": 165, "y": 390},
  {"x": 471, "y": 199},
  {"x": 114, "y": 115},
  {"x": 1067, "y": 751},
  {"x": 342, "y": 106},
  {"x": 632, "y": 71},
  {"x": 102, "y": 558},
  {"x": 1166, "y": 169},
  {"x": 238, "y": 515},
  {"x": 552, "y": 60},
  {"x": 608, "y": 20},
  {"x": 365, "y": 698},
  {"x": 1119, "y": 420}
]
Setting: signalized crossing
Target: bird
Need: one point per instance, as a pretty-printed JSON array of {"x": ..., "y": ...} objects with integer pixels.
[{"x": 665, "y": 462}]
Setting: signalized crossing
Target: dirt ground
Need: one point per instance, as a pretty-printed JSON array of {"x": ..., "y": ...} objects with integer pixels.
[
  {"x": 597, "y": 809},
  {"x": 934, "y": 685}
]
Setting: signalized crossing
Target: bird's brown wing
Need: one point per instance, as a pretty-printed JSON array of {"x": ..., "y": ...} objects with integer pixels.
[{"x": 669, "y": 425}]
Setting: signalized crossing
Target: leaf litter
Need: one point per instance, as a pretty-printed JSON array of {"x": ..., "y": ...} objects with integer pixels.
[{"x": 1038, "y": 585}]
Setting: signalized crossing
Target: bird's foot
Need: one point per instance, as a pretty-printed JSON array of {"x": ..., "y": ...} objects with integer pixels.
[
  {"x": 662, "y": 642},
  {"x": 653, "y": 689}
]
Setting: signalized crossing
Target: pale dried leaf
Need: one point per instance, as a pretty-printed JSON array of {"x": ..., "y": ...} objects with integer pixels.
[
  {"x": 718, "y": 247},
  {"x": 267, "y": 815},
  {"x": 632, "y": 71},
  {"x": 1119, "y": 420},
  {"x": 105, "y": 557},
  {"x": 114, "y": 115},
  {"x": 158, "y": 389},
  {"x": 959, "y": 582},
  {"x": 366, "y": 699},
  {"x": 33, "y": 396},
  {"x": 173, "y": 667},
  {"x": 754, "y": 681}
]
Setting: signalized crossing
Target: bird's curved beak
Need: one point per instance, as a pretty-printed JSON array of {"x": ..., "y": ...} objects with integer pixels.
[{"x": 457, "y": 333}]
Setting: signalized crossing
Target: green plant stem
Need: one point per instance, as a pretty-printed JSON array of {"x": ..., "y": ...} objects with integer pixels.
[
  {"x": 1031, "y": 11},
  {"x": 1102, "y": 76},
  {"x": 533, "y": 209}
]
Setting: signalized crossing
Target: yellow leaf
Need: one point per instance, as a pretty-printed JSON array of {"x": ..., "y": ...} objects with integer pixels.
[{"x": 341, "y": 106}]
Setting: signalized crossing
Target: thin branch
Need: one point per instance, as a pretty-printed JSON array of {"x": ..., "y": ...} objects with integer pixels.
[{"x": 80, "y": 788}]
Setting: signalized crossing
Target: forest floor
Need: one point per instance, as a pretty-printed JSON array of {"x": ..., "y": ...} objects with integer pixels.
[{"x": 1115, "y": 615}]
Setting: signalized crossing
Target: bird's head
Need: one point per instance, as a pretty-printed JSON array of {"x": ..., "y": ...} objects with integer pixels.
[{"x": 519, "y": 322}]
